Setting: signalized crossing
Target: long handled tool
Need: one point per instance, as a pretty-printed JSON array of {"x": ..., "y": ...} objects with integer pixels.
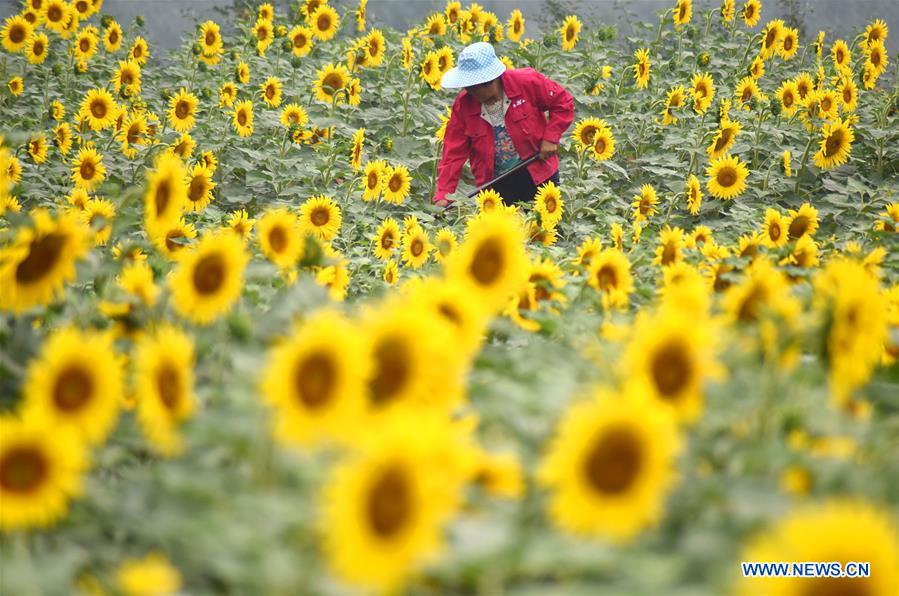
[{"x": 504, "y": 175}]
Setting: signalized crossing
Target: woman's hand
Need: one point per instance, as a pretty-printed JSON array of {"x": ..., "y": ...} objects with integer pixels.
[{"x": 547, "y": 150}]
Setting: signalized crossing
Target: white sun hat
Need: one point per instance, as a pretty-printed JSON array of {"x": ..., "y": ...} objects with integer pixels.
[{"x": 477, "y": 64}]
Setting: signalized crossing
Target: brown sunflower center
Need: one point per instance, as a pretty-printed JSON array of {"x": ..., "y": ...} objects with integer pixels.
[
  {"x": 833, "y": 143},
  {"x": 17, "y": 34},
  {"x": 614, "y": 461},
  {"x": 387, "y": 241},
  {"x": 211, "y": 38},
  {"x": 774, "y": 231},
  {"x": 242, "y": 118},
  {"x": 73, "y": 389},
  {"x": 299, "y": 41},
  {"x": 23, "y": 469},
  {"x": 799, "y": 226},
  {"x": 270, "y": 91},
  {"x": 550, "y": 205},
  {"x": 54, "y": 13},
  {"x": 395, "y": 183},
  {"x": 607, "y": 278},
  {"x": 182, "y": 109},
  {"x": 113, "y": 37},
  {"x": 320, "y": 216},
  {"x": 87, "y": 169},
  {"x": 85, "y": 44},
  {"x": 323, "y": 22},
  {"x": 277, "y": 239},
  {"x": 488, "y": 262},
  {"x": 197, "y": 189},
  {"x": 169, "y": 385},
  {"x": 390, "y": 503},
  {"x": 788, "y": 43},
  {"x": 569, "y": 33},
  {"x": 671, "y": 369},
  {"x": 726, "y": 176},
  {"x": 262, "y": 33},
  {"x": 37, "y": 47},
  {"x": 417, "y": 247},
  {"x": 43, "y": 254},
  {"x": 392, "y": 370},
  {"x": 209, "y": 274},
  {"x": 315, "y": 380},
  {"x": 99, "y": 109},
  {"x": 332, "y": 81},
  {"x": 788, "y": 100}
]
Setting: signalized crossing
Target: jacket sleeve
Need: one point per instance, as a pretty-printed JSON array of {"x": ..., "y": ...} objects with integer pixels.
[
  {"x": 454, "y": 155},
  {"x": 553, "y": 98}
]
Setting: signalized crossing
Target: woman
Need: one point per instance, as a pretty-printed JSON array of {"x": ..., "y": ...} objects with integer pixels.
[{"x": 498, "y": 121}]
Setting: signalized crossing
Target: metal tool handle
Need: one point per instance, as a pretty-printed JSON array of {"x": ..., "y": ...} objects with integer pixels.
[{"x": 504, "y": 174}]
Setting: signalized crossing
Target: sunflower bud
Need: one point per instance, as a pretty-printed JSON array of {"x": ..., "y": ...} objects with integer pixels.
[
  {"x": 548, "y": 41},
  {"x": 56, "y": 69},
  {"x": 281, "y": 31},
  {"x": 166, "y": 93},
  {"x": 775, "y": 108},
  {"x": 388, "y": 144},
  {"x": 704, "y": 59},
  {"x": 286, "y": 45},
  {"x": 105, "y": 20},
  {"x": 196, "y": 49},
  {"x": 235, "y": 55},
  {"x": 201, "y": 66},
  {"x": 139, "y": 19},
  {"x": 296, "y": 61}
]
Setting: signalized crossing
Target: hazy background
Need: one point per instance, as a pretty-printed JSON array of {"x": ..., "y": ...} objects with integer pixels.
[{"x": 168, "y": 20}]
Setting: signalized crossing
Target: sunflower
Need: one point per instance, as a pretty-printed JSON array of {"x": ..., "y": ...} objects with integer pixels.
[
  {"x": 98, "y": 215},
  {"x": 37, "y": 49},
  {"x": 839, "y": 531},
  {"x": 86, "y": 44},
  {"x": 702, "y": 89},
  {"x": 670, "y": 249},
  {"x": 58, "y": 110},
  {"x": 788, "y": 94},
  {"x": 164, "y": 380},
  {"x": 841, "y": 56},
  {"x": 166, "y": 193},
  {"x": 727, "y": 177},
  {"x": 127, "y": 77},
  {"x": 848, "y": 93},
  {"x": 271, "y": 91},
  {"x": 515, "y": 25},
  {"x": 112, "y": 36},
  {"x": 803, "y": 221},
  {"x": 324, "y": 22},
  {"x": 40, "y": 472},
  {"x": 315, "y": 380},
  {"x": 757, "y": 68},
  {"x": 828, "y": 104},
  {"x": 88, "y": 170},
  {"x": 610, "y": 466},
  {"x": 264, "y": 34},
  {"x": 227, "y": 94},
  {"x": 610, "y": 274},
  {"x": 751, "y": 13},
  {"x": 294, "y": 115},
  {"x": 183, "y": 147},
  {"x": 356, "y": 154},
  {"x": 586, "y": 130},
  {"x": 78, "y": 198},
  {"x": 199, "y": 188},
  {"x": 836, "y": 144},
  {"x": 396, "y": 184},
  {"x": 372, "y": 180},
  {"x": 136, "y": 279},
  {"x": 62, "y": 137},
  {"x": 174, "y": 239},
  {"x": 644, "y": 204},
  {"x": 56, "y": 15},
  {"x": 391, "y": 273},
  {"x": 694, "y": 194},
  {"x": 242, "y": 119},
  {"x": 673, "y": 100},
  {"x": 444, "y": 244},
  {"x": 331, "y": 83},
  {"x": 279, "y": 236},
  {"x": 75, "y": 384},
  {"x": 804, "y": 254},
  {"x": 16, "y": 86},
  {"x": 301, "y": 40},
  {"x": 775, "y": 229},
  {"x": 771, "y": 38},
  {"x": 416, "y": 247},
  {"x": 240, "y": 223},
  {"x": 488, "y": 200},
  {"x": 376, "y": 47},
  {"x": 492, "y": 260},
  {"x": 408, "y": 54},
  {"x": 672, "y": 356},
  {"x": 152, "y": 574},
  {"x": 789, "y": 43},
  {"x": 386, "y": 239},
  {"x": 383, "y": 511},
  {"x": 182, "y": 110},
  {"x": 243, "y": 72},
  {"x": 320, "y": 217},
  {"x": 37, "y": 148},
  {"x": 430, "y": 70},
  {"x": 13, "y": 169},
  {"x": 850, "y": 299},
  {"x": 588, "y": 250},
  {"x": 41, "y": 258},
  {"x": 208, "y": 278},
  {"x": 210, "y": 39},
  {"x": 875, "y": 32},
  {"x": 747, "y": 90},
  {"x": 99, "y": 109},
  {"x": 570, "y": 30},
  {"x": 16, "y": 33},
  {"x": 877, "y": 58},
  {"x": 642, "y": 67},
  {"x": 549, "y": 204},
  {"x": 804, "y": 85}
]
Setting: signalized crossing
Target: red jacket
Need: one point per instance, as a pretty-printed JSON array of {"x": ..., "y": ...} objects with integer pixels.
[{"x": 470, "y": 137}]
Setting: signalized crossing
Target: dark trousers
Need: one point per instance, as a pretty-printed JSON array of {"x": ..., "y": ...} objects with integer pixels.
[{"x": 519, "y": 187}]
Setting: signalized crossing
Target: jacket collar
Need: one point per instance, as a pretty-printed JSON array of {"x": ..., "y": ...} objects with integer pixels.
[{"x": 510, "y": 87}]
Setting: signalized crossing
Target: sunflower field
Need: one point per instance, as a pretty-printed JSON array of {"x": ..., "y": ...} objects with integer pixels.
[{"x": 241, "y": 351}]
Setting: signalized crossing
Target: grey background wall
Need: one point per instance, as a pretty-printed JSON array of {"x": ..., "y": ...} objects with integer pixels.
[{"x": 168, "y": 20}]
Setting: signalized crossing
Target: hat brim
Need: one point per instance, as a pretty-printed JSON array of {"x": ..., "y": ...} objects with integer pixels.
[{"x": 455, "y": 78}]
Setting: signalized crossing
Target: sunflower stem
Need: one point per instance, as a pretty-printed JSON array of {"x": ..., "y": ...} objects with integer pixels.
[{"x": 808, "y": 147}]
